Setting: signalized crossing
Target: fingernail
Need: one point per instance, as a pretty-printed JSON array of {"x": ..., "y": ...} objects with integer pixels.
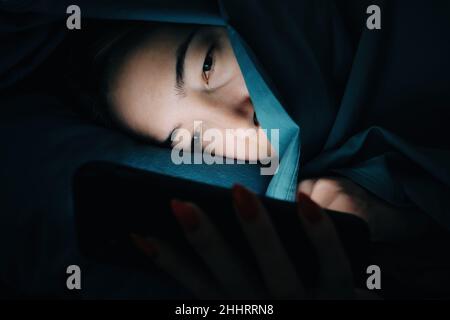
[
  {"x": 146, "y": 246},
  {"x": 185, "y": 214},
  {"x": 308, "y": 208},
  {"x": 245, "y": 202}
]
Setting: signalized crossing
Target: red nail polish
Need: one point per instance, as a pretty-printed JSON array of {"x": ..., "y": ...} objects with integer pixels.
[
  {"x": 146, "y": 246},
  {"x": 185, "y": 214},
  {"x": 308, "y": 208},
  {"x": 245, "y": 203}
]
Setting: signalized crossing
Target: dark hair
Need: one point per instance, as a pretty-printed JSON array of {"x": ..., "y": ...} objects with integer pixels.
[{"x": 94, "y": 58}]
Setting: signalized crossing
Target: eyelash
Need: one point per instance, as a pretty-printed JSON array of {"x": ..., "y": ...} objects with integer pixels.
[{"x": 206, "y": 74}]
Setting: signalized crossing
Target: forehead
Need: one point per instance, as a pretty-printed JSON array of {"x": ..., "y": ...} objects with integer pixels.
[{"x": 142, "y": 94}]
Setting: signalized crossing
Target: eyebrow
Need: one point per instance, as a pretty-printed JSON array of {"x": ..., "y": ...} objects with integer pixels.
[{"x": 180, "y": 58}]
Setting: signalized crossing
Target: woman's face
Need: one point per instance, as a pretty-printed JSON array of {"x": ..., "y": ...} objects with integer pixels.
[{"x": 181, "y": 74}]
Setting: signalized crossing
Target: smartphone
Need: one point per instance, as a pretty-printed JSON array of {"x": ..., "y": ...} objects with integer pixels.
[{"x": 112, "y": 201}]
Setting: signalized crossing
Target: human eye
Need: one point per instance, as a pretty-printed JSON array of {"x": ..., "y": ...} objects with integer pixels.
[{"x": 208, "y": 65}]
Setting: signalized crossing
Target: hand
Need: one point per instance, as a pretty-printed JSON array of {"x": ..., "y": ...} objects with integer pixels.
[
  {"x": 341, "y": 194},
  {"x": 386, "y": 222},
  {"x": 228, "y": 277}
]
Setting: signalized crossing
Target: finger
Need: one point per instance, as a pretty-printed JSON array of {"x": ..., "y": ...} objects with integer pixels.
[
  {"x": 179, "y": 267},
  {"x": 278, "y": 272},
  {"x": 307, "y": 186},
  {"x": 324, "y": 191},
  {"x": 335, "y": 275},
  {"x": 217, "y": 255},
  {"x": 348, "y": 204}
]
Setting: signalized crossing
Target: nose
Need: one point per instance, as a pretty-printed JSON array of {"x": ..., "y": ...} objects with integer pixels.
[
  {"x": 245, "y": 107},
  {"x": 231, "y": 103},
  {"x": 239, "y": 97}
]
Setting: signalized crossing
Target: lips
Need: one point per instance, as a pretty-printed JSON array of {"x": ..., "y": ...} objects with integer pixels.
[{"x": 255, "y": 119}]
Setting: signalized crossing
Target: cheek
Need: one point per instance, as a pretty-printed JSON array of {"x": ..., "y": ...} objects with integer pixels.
[
  {"x": 252, "y": 146},
  {"x": 224, "y": 120},
  {"x": 216, "y": 110},
  {"x": 239, "y": 144}
]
